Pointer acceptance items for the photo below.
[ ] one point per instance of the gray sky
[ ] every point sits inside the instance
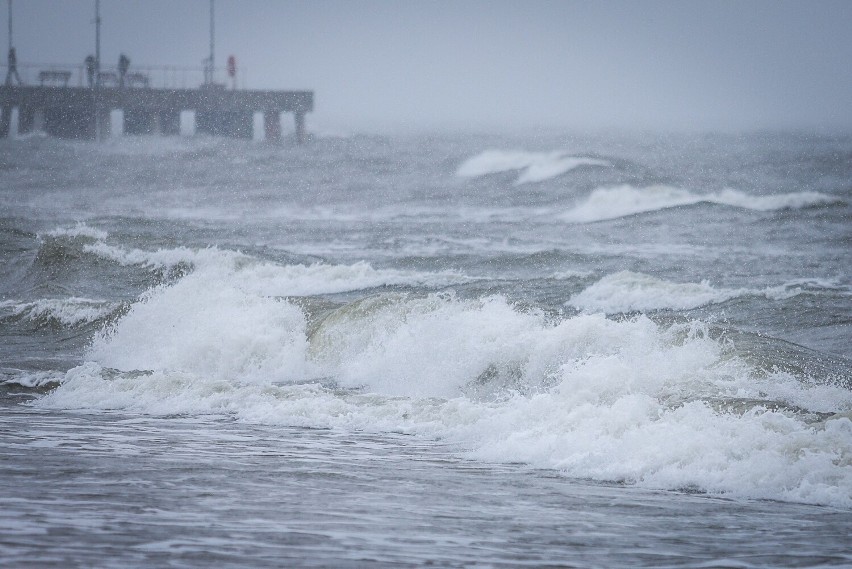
(483, 65)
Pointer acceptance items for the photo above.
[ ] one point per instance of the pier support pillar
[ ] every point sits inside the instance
(206, 123)
(26, 118)
(38, 120)
(169, 122)
(272, 126)
(104, 123)
(69, 122)
(138, 121)
(5, 122)
(235, 124)
(299, 117)
(156, 124)
(77, 122)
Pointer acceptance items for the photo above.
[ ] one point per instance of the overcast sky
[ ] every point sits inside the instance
(483, 65)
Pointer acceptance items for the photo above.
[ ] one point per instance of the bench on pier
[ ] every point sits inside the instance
(136, 80)
(108, 79)
(55, 77)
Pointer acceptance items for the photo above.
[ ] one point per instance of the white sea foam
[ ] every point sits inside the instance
(272, 279)
(218, 332)
(81, 229)
(620, 201)
(569, 274)
(611, 400)
(626, 291)
(409, 213)
(166, 258)
(533, 166)
(29, 378)
(65, 311)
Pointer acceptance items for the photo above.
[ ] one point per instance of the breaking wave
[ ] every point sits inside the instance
(621, 201)
(628, 401)
(533, 166)
(273, 279)
(81, 229)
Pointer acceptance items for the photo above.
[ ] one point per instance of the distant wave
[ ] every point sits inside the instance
(533, 166)
(620, 201)
(627, 291)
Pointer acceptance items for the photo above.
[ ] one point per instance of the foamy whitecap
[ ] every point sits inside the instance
(793, 200)
(322, 278)
(570, 274)
(626, 291)
(30, 378)
(797, 287)
(621, 201)
(533, 166)
(219, 332)
(65, 311)
(627, 401)
(166, 258)
(272, 279)
(81, 229)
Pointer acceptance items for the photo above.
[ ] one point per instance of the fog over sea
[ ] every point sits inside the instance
(620, 350)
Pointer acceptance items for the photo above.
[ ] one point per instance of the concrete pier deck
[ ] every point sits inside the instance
(78, 112)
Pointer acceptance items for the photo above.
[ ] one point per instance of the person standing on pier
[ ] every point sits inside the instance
(123, 66)
(12, 62)
(90, 69)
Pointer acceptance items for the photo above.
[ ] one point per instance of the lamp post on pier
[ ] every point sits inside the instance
(97, 82)
(210, 62)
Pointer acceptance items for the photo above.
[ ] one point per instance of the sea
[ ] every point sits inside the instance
(448, 349)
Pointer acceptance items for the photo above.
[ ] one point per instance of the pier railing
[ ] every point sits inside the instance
(137, 76)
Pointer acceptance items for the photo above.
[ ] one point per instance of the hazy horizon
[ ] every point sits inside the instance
(475, 65)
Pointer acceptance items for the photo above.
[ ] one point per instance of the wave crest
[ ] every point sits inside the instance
(620, 201)
(67, 312)
(81, 229)
(533, 166)
(626, 291)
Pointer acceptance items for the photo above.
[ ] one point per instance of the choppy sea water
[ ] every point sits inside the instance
(591, 351)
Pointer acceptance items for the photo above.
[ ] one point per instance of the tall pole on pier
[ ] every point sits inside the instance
(212, 44)
(97, 35)
(11, 72)
(97, 69)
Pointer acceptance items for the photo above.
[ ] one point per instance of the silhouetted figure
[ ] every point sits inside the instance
(123, 65)
(90, 69)
(12, 62)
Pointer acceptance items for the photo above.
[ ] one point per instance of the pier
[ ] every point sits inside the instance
(148, 106)
(84, 112)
